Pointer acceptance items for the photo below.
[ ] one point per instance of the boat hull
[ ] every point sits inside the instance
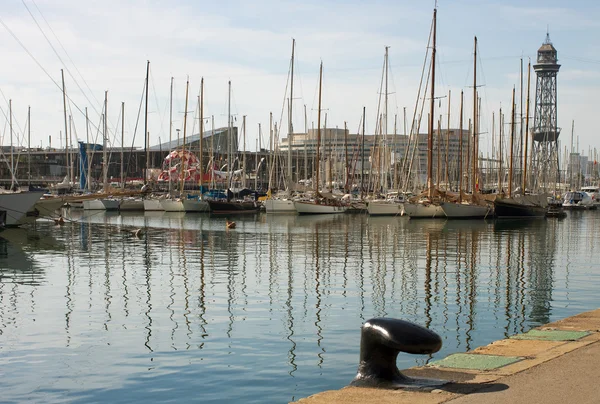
(508, 208)
(16, 205)
(466, 211)
(232, 207)
(111, 204)
(422, 211)
(313, 208)
(381, 208)
(153, 205)
(172, 205)
(45, 208)
(195, 205)
(93, 204)
(280, 206)
(131, 205)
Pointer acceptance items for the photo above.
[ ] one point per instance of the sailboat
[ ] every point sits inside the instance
(127, 203)
(231, 205)
(14, 206)
(284, 203)
(393, 204)
(103, 203)
(521, 206)
(197, 203)
(425, 206)
(175, 204)
(319, 204)
(475, 209)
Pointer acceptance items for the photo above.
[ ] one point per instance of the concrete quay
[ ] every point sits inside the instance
(555, 363)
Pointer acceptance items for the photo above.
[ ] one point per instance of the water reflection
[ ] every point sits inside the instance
(193, 301)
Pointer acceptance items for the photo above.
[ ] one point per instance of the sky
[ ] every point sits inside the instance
(105, 45)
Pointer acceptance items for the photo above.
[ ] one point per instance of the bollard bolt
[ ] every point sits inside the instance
(381, 341)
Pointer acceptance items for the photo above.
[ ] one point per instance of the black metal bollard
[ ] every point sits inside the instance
(381, 341)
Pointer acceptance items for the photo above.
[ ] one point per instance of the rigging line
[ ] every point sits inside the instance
(6, 123)
(39, 64)
(66, 53)
(161, 118)
(131, 157)
(1, 151)
(58, 56)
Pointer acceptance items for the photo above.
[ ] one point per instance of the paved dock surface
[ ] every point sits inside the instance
(555, 363)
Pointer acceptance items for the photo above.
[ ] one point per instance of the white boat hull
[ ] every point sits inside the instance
(280, 206)
(45, 208)
(152, 205)
(312, 208)
(131, 204)
(195, 205)
(111, 204)
(93, 204)
(419, 210)
(16, 205)
(172, 205)
(383, 208)
(465, 211)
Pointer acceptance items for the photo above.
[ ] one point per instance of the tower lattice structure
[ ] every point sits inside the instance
(544, 158)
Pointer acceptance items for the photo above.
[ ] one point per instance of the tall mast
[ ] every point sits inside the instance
(65, 118)
(385, 126)
(87, 147)
(319, 131)
(527, 130)
(104, 156)
(395, 146)
(29, 146)
(183, 159)
(271, 151)
(229, 169)
(12, 167)
(170, 130)
(474, 183)
(201, 132)
(439, 161)
(570, 155)
(122, 142)
(244, 153)
(346, 165)
(431, 114)
(146, 126)
(448, 144)
(305, 145)
(70, 146)
(500, 133)
(290, 126)
(520, 146)
(362, 157)
(512, 141)
(460, 148)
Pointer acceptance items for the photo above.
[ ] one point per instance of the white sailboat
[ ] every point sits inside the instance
(319, 204)
(196, 203)
(283, 203)
(469, 209)
(15, 205)
(391, 205)
(153, 204)
(425, 207)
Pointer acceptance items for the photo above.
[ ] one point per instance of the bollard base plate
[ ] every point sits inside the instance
(404, 383)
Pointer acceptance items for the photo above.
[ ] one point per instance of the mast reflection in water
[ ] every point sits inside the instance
(270, 311)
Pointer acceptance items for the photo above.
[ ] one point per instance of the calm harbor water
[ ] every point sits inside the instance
(270, 311)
